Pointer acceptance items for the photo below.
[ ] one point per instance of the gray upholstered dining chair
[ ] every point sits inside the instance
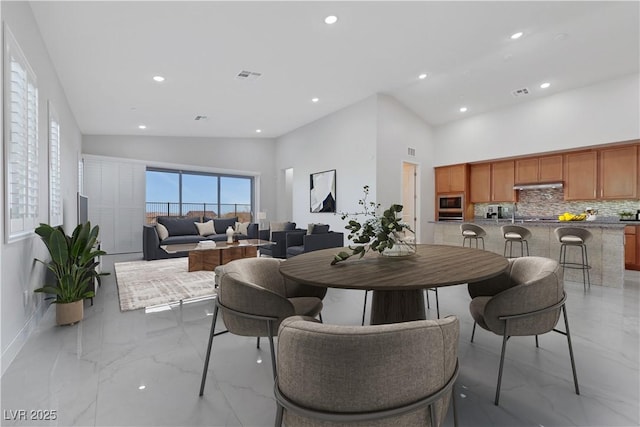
(526, 299)
(394, 374)
(254, 298)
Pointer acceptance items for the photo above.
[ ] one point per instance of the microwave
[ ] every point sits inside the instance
(450, 202)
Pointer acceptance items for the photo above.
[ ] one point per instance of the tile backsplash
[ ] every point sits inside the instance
(551, 203)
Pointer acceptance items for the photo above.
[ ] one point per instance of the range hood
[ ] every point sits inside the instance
(537, 186)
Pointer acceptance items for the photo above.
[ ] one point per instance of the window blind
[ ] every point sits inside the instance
(55, 181)
(22, 141)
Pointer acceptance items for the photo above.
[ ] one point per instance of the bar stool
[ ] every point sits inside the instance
(577, 237)
(472, 232)
(518, 234)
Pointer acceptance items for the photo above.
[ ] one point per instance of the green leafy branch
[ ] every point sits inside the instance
(376, 233)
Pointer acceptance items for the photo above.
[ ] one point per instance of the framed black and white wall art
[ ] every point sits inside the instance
(322, 191)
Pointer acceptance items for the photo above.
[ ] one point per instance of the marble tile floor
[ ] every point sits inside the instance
(143, 369)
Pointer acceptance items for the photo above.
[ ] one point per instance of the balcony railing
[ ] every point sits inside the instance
(198, 210)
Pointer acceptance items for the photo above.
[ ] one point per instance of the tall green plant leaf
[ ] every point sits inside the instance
(44, 231)
(58, 248)
(80, 238)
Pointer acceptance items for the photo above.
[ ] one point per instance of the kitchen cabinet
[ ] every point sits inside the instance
(492, 182)
(502, 181)
(551, 169)
(581, 175)
(536, 170)
(480, 183)
(527, 171)
(451, 179)
(618, 172)
(632, 247)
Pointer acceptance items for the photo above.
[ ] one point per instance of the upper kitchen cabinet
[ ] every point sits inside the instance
(551, 169)
(618, 178)
(581, 175)
(492, 182)
(502, 181)
(451, 179)
(538, 170)
(480, 183)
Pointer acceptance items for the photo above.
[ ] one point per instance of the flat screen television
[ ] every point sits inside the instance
(83, 209)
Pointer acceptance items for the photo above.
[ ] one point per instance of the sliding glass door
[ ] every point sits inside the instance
(198, 194)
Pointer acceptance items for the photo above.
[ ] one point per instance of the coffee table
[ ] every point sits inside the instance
(207, 255)
(396, 282)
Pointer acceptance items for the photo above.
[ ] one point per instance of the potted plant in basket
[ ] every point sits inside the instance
(386, 234)
(74, 262)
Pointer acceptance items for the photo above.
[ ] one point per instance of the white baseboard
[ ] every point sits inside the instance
(21, 338)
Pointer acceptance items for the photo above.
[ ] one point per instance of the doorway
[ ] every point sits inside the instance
(410, 200)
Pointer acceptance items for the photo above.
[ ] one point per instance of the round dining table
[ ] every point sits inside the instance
(396, 282)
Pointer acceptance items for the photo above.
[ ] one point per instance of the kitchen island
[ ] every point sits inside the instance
(605, 250)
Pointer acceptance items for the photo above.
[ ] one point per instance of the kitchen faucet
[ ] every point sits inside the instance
(513, 212)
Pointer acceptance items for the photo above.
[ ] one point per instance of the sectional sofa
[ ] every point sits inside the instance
(173, 230)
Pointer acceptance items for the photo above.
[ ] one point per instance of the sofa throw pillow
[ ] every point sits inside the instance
(280, 226)
(205, 228)
(221, 224)
(310, 228)
(179, 226)
(163, 233)
(277, 226)
(320, 229)
(242, 228)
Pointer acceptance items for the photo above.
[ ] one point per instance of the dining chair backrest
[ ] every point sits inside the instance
(338, 369)
(254, 286)
(529, 284)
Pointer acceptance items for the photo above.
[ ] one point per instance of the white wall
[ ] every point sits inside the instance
(398, 129)
(598, 114)
(344, 141)
(366, 143)
(21, 308)
(253, 156)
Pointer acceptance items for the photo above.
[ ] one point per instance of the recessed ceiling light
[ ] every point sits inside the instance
(545, 85)
(517, 35)
(422, 76)
(142, 387)
(258, 130)
(331, 19)
(463, 109)
(158, 78)
(142, 127)
(315, 99)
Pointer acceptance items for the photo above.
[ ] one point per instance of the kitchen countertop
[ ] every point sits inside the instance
(605, 222)
(606, 248)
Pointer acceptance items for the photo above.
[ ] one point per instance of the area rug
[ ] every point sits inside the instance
(143, 284)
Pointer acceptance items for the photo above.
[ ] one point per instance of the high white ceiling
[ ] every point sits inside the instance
(106, 54)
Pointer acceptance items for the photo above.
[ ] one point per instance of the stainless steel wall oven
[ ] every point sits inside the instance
(450, 207)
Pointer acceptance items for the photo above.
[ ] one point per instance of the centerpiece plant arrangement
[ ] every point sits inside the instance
(74, 262)
(384, 234)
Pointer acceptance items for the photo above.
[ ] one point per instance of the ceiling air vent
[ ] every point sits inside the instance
(200, 118)
(520, 92)
(411, 151)
(248, 75)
